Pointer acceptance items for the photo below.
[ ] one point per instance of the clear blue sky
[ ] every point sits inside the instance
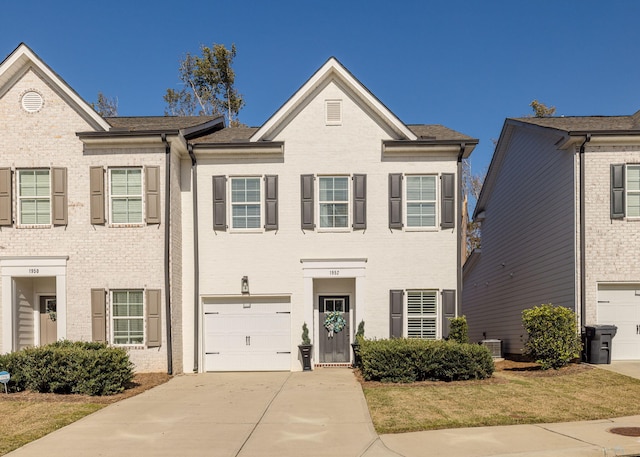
(464, 64)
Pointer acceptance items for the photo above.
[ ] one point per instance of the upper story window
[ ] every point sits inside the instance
(418, 202)
(127, 317)
(125, 195)
(34, 197)
(333, 200)
(421, 201)
(245, 203)
(422, 313)
(633, 191)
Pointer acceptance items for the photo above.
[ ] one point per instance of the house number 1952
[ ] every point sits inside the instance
(334, 272)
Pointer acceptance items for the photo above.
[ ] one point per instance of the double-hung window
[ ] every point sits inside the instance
(34, 197)
(333, 198)
(422, 313)
(633, 191)
(127, 317)
(126, 195)
(421, 201)
(245, 203)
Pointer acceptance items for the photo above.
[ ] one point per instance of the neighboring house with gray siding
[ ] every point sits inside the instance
(560, 210)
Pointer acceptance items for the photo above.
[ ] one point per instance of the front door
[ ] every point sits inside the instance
(334, 333)
(48, 320)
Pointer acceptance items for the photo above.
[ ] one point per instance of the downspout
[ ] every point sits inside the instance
(459, 230)
(167, 251)
(196, 260)
(583, 262)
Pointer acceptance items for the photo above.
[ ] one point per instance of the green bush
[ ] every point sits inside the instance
(459, 329)
(553, 335)
(410, 360)
(67, 367)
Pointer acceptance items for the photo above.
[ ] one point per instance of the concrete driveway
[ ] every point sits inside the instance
(227, 414)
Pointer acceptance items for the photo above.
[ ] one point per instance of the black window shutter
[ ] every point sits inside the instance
(448, 200)
(617, 191)
(306, 202)
(271, 202)
(395, 200)
(359, 202)
(395, 313)
(448, 310)
(220, 203)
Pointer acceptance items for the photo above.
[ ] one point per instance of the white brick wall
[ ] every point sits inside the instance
(612, 246)
(99, 256)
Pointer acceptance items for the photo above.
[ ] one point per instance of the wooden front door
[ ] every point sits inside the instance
(334, 346)
(48, 320)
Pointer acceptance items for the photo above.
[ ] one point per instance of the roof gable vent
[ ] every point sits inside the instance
(333, 112)
(32, 101)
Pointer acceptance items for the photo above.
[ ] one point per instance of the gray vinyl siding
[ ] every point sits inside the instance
(530, 229)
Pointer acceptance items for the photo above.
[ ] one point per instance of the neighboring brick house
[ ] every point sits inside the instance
(560, 212)
(203, 248)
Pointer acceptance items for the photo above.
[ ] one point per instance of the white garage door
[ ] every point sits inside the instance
(247, 337)
(620, 305)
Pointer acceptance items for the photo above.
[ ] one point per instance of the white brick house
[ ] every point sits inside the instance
(203, 248)
(560, 210)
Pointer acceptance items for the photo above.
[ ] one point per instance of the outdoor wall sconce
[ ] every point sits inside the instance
(244, 285)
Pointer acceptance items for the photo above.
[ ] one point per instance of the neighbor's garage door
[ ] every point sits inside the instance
(620, 305)
(243, 337)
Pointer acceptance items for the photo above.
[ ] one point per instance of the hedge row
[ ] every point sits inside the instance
(67, 367)
(410, 360)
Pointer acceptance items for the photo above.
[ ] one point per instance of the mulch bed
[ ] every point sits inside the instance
(140, 383)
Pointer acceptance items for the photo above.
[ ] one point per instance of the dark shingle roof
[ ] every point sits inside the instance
(586, 123)
(227, 135)
(436, 132)
(137, 124)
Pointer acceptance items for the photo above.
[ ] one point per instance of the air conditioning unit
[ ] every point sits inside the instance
(494, 346)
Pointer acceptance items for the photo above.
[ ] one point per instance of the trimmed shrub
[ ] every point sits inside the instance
(553, 335)
(410, 360)
(67, 367)
(459, 329)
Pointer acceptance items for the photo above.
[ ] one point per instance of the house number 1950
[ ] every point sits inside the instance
(34, 270)
(334, 272)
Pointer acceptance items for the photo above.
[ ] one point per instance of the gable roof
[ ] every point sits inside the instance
(332, 70)
(22, 59)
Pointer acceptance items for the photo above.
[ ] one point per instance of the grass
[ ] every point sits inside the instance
(511, 397)
(23, 422)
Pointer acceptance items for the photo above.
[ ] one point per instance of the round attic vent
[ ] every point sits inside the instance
(32, 101)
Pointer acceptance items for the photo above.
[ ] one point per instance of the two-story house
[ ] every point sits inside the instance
(204, 248)
(333, 204)
(560, 210)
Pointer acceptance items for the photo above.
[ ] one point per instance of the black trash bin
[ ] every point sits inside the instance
(598, 343)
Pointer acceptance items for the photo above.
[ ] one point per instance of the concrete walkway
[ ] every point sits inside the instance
(319, 413)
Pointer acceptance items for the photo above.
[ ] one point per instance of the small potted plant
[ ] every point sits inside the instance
(356, 344)
(305, 348)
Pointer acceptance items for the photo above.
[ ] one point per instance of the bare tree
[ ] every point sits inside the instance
(106, 106)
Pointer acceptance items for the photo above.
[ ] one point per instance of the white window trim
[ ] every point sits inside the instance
(19, 198)
(142, 197)
(349, 203)
(627, 191)
(406, 201)
(230, 204)
(112, 318)
(436, 316)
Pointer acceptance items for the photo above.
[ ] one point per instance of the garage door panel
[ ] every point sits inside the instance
(247, 338)
(619, 305)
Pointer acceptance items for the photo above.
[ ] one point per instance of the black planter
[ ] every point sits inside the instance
(356, 354)
(305, 352)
